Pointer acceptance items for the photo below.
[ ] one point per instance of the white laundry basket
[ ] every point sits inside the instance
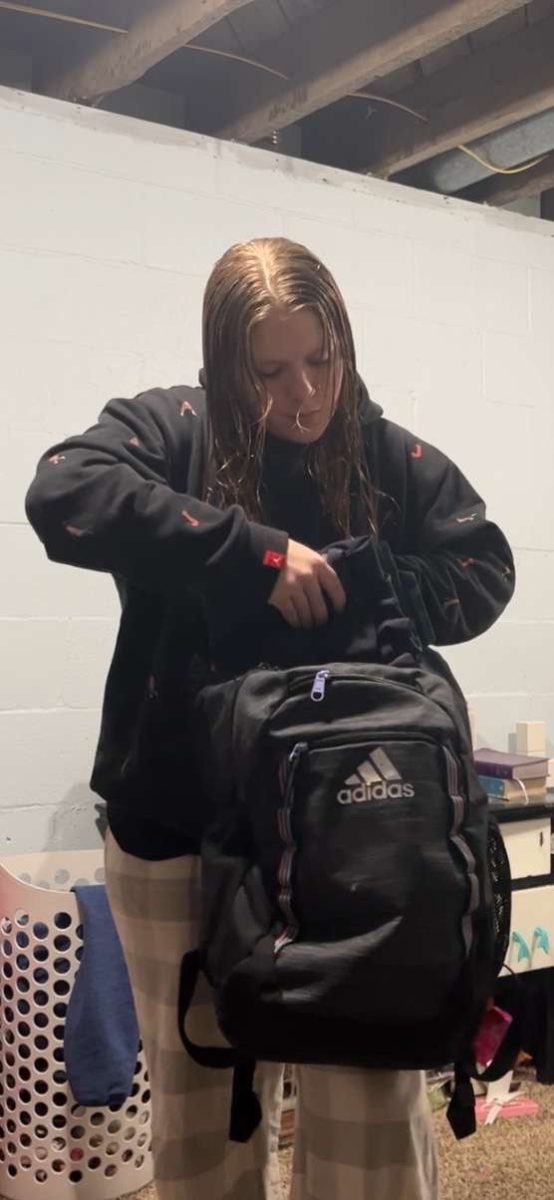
(50, 1147)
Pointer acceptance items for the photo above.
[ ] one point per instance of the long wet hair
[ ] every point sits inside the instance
(251, 280)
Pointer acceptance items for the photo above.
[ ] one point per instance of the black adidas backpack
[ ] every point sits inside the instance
(348, 906)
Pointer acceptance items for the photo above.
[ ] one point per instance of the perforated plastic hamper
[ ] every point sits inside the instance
(50, 1147)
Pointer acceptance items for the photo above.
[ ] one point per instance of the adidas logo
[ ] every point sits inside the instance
(375, 779)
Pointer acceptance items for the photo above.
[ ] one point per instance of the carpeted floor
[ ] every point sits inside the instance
(510, 1160)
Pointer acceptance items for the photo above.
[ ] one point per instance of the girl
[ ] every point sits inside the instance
(299, 456)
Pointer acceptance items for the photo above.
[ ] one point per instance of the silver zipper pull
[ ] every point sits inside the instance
(320, 683)
(298, 749)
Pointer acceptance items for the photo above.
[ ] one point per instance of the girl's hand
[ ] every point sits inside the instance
(304, 585)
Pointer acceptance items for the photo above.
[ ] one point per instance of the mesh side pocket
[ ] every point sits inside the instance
(501, 882)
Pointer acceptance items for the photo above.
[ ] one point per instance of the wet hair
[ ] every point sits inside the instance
(250, 281)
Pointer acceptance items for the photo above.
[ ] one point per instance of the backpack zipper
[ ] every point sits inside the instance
(331, 742)
(287, 773)
(459, 807)
(321, 678)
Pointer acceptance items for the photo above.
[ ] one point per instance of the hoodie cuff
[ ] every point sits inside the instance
(269, 555)
(241, 589)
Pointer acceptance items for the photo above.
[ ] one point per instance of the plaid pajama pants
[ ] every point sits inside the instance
(365, 1135)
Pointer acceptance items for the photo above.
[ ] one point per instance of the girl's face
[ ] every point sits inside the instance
(295, 370)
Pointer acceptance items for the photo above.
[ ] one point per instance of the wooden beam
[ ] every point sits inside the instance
(164, 27)
(345, 48)
(504, 189)
(494, 88)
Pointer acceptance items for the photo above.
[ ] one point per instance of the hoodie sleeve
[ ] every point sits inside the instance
(454, 571)
(110, 500)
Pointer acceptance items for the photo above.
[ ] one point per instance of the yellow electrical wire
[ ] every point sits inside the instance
(252, 62)
(503, 170)
(489, 166)
(58, 16)
(386, 100)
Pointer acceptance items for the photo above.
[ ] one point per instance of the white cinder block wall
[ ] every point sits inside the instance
(108, 229)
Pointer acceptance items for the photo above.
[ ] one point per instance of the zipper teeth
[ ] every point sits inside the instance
(404, 687)
(379, 736)
(287, 773)
(343, 678)
(462, 845)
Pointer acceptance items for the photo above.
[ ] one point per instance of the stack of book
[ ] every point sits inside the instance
(513, 777)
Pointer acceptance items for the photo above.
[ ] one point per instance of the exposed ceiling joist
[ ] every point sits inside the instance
(119, 61)
(66, 18)
(504, 189)
(503, 84)
(346, 48)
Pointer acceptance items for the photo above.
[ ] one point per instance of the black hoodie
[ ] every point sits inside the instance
(121, 498)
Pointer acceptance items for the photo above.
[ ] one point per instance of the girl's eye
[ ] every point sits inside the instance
(312, 362)
(270, 374)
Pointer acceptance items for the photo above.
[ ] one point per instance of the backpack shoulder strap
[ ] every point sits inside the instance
(206, 1056)
(246, 1112)
(461, 1110)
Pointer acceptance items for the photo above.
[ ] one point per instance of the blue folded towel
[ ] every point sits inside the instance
(101, 1038)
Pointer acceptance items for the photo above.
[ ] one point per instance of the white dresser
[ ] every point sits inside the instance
(528, 833)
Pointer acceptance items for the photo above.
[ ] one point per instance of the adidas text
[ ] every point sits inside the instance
(362, 792)
(376, 778)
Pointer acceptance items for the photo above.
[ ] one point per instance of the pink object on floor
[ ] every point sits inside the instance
(519, 1106)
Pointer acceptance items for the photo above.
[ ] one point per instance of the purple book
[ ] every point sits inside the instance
(510, 766)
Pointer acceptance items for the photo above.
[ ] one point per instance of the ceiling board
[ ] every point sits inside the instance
(258, 23)
(499, 30)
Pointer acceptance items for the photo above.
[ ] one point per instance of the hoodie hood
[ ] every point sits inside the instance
(370, 411)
